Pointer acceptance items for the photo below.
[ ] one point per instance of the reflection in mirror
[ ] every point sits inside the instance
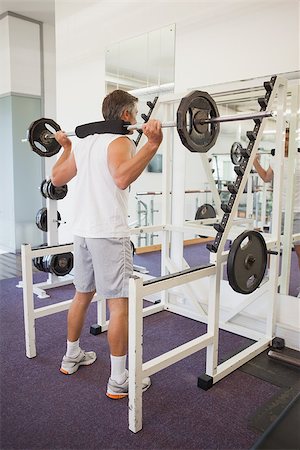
(144, 64)
(233, 99)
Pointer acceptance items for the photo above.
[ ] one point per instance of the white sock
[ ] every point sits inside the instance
(73, 349)
(118, 365)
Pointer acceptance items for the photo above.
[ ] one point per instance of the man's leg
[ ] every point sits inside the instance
(75, 357)
(117, 336)
(76, 314)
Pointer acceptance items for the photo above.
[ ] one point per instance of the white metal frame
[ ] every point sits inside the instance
(31, 313)
(53, 280)
(288, 237)
(138, 289)
(176, 275)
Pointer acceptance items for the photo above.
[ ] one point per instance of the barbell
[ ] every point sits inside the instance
(48, 190)
(237, 152)
(198, 125)
(41, 219)
(59, 265)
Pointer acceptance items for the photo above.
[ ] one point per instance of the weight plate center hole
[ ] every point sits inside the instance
(199, 116)
(249, 261)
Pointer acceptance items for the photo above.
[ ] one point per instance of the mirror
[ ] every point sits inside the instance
(142, 65)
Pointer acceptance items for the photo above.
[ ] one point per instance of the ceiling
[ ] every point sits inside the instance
(41, 10)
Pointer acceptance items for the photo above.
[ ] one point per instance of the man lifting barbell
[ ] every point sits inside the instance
(104, 165)
(267, 176)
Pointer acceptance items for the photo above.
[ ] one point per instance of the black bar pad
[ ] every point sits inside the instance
(102, 127)
(176, 274)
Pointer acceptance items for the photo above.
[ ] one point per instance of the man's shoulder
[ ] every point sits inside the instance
(100, 139)
(120, 139)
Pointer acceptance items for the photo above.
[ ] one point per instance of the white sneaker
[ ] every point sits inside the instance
(117, 391)
(71, 365)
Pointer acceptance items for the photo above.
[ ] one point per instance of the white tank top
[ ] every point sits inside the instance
(101, 208)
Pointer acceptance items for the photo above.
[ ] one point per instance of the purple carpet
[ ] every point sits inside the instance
(43, 409)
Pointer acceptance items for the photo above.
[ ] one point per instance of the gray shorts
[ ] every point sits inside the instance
(103, 264)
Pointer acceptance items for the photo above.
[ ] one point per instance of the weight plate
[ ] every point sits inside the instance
(193, 108)
(57, 192)
(206, 211)
(38, 261)
(61, 264)
(41, 219)
(48, 190)
(43, 188)
(247, 261)
(38, 137)
(236, 153)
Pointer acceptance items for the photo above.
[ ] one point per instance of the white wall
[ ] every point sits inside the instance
(21, 92)
(4, 56)
(215, 42)
(24, 44)
(49, 70)
(49, 54)
(242, 40)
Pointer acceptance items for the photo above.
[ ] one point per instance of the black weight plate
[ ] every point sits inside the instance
(205, 211)
(38, 137)
(193, 107)
(247, 261)
(44, 188)
(61, 264)
(46, 263)
(236, 153)
(57, 192)
(38, 261)
(41, 219)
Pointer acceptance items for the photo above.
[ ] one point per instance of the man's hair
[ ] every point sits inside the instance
(116, 103)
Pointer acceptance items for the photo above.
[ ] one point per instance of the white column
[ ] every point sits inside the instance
(135, 355)
(28, 302)
(178, 197)
(277, 203)
(290, 195)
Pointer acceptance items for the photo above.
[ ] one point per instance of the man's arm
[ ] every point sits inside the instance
(65, 167)
(265, 175)
(123, 167)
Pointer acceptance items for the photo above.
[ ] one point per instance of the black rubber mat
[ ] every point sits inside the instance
(280, 374)
(270, 411)
(284, 433)
(275, 372)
